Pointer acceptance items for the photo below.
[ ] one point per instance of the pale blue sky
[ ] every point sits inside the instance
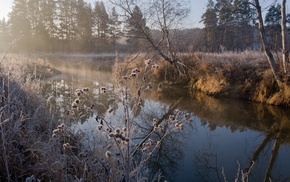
(197, 9)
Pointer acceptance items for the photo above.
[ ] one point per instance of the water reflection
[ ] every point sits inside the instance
(269, 125)
(223, 131)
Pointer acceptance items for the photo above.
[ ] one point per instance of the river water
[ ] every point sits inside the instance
(222, 140)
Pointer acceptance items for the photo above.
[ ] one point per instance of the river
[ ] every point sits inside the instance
(222, 140)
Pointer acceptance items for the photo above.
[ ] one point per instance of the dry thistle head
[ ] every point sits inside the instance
(172, 117)
(155, 66)
(104, 89)
(136, 70)
(178, 113)
(144, 149)
(133, 75)
(140, 99)
(176, 125)
(74, 105)
(77, 101)
(109, 130)
(86, 89)
(187, 117)
(99, 127)
(66, 146)
(181, 126)
(111, 135)
(60, 127)
(78, 92)
(108, 154)
(117, 130)
(148, 61)
(56, 131)
(149, 86)
(110, 110)
(150, 141)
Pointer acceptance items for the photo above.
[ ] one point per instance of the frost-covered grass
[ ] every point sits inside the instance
(243, 75)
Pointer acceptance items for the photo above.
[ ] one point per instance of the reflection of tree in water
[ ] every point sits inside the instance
(206, 167)
(278, 135)
(261, 161)
(167, 158)
(236, 116)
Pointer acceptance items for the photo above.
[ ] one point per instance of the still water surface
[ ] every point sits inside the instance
(224, 137)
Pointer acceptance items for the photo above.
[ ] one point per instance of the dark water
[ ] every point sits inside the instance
(221, 142)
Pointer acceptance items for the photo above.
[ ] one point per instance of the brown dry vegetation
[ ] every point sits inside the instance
(27, 148)
(244, 75)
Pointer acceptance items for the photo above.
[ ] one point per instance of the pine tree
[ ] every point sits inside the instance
(209, 19)
(19, 25)
(4, 35)
(244, 23)
(225, 12)
(273, 28)
(36, 16)
(84, 21)
(135, 24)
(114, 28)
(49, 17)
(67, 25)
(101, 27)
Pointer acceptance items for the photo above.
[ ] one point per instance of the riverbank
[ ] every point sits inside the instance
(244, 75)
(38, 117)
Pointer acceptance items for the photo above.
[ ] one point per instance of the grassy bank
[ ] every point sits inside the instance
(28, 149)
(244, 75)
(24, 121)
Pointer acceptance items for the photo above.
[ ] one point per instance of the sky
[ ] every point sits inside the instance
(197, 8)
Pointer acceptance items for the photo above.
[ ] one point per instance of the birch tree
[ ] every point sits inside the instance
(285, 47)
(273, 64)
(162, 15)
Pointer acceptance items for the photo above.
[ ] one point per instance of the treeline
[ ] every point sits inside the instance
(60, 25)
(232, 25)
(78, 26)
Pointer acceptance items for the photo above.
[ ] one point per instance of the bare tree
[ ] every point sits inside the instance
(162, 15)
(284, 37)
(274, 66)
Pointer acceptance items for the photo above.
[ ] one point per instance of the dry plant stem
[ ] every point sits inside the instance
(140, 144)
(143, 162)
(224, 175)
(129, 126)
(4, 142)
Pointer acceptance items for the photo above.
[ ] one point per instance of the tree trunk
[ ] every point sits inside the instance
(274, 67)
(284, 36)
